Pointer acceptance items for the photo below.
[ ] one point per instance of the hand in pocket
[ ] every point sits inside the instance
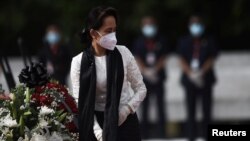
(124, 111)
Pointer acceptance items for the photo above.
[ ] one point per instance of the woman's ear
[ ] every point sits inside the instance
(93, 34)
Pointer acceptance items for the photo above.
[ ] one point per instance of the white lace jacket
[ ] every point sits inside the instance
(133, 90)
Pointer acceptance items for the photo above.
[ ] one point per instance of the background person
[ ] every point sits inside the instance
(197, 54)
(55, 54)
(151, 51)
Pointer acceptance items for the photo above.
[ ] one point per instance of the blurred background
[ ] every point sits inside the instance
(23, 26)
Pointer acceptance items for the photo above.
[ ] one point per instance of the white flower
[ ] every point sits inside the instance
(70, 118)
(11, 95)
(63, 126)
(3, 110)
(11, 123)
(43, 123)
(53, 104)
(22, 107)
(55, 137)
(56, 122)
(46, 111)
(47, 137)
(26, 138)
(8, 122)
(20, 139)
(37, 137)
(5, 131)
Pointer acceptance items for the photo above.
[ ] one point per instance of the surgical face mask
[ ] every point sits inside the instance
(108, 41)
(53, 37)
(149, 30)
(196, 29)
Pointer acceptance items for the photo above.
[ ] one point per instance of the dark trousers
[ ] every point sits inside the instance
(192, 95)
(128, 131)
(158, 91)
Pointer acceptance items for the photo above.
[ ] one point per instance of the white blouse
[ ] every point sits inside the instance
(133, 90)
(101, 83)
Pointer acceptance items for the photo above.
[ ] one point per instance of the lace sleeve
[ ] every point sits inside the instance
(135, 78)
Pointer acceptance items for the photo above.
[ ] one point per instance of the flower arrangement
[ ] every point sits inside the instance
(38, 110)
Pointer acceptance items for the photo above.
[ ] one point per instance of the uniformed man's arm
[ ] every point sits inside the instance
(140, 63)
(184, 66)
(207, 65)
(161, 63)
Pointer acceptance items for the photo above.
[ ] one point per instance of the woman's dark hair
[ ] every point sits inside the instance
(95, 21)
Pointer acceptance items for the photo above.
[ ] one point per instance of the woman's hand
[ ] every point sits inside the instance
(97, 130)
(124, 111)
(99, 136)
(100, 139)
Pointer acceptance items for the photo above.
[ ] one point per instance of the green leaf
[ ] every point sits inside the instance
(27, 95)
(62, 117)
(9, 136)
(21, 126)
(13, 110)
(58, 113)
(27, 113)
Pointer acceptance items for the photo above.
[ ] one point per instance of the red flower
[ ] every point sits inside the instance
(46, 99)
(71, 127)
(62, 107)
(35, 97)
(71, 103)
(52, 85)
(63, 89)
(41, 100)
(39, 89)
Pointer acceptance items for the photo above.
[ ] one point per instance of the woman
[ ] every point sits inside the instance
(102, 77)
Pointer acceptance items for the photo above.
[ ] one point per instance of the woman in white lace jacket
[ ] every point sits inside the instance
(106, 72)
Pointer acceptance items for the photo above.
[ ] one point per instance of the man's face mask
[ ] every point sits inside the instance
(108, 41)
(149, 30)
(196, 29)
(53, 37)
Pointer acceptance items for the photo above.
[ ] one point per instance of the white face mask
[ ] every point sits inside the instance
(149, 30)
(53, 37)
(196, 29)
(108, 41)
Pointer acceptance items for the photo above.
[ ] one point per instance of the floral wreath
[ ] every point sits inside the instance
(39, 109)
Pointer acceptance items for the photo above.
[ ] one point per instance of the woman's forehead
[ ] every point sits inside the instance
(109, 22)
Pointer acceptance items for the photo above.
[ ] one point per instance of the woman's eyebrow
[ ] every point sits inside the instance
(110, 28)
